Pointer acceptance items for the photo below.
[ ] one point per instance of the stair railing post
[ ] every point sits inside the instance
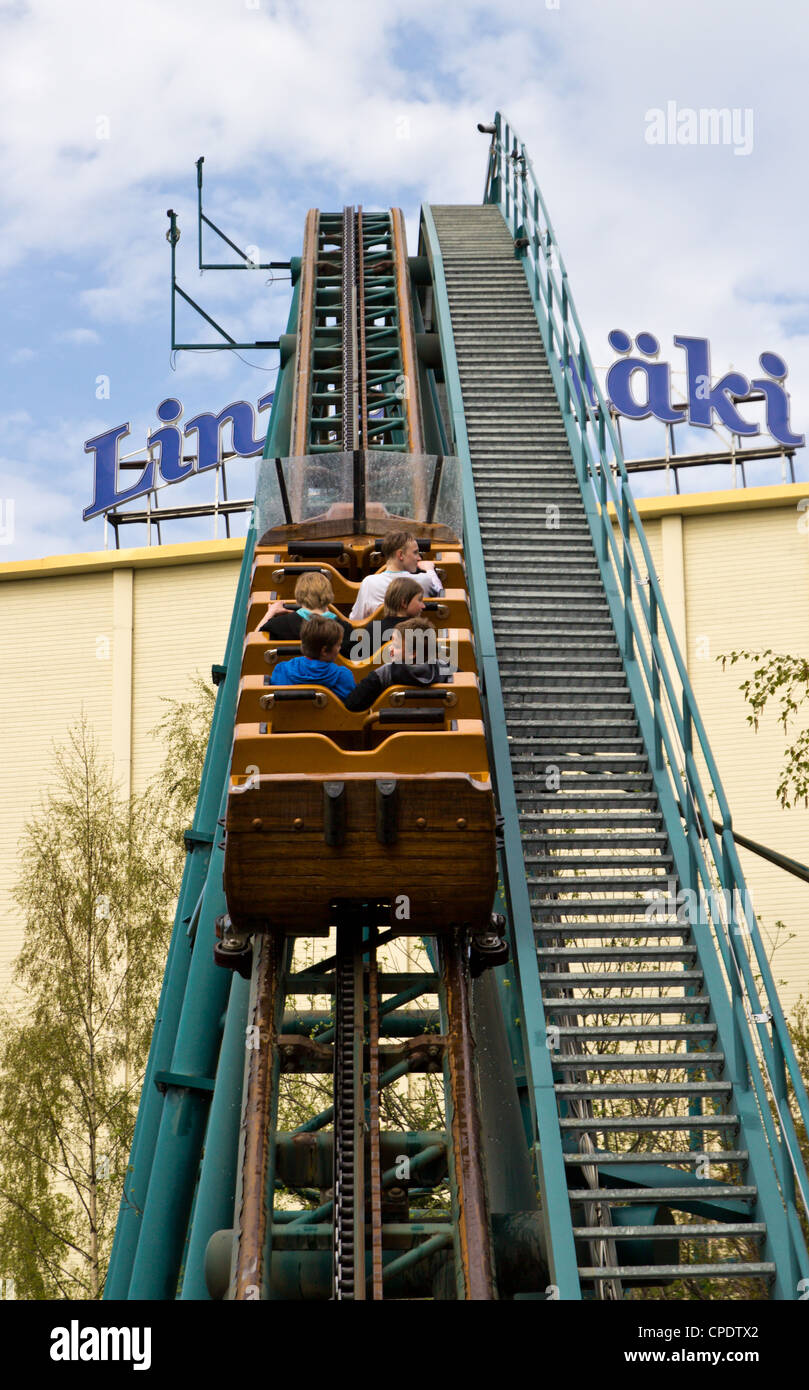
(781, 1097)
(629, 640)
(690, 808)
(565, 346)
(506, 182)
(536, 246)
(602, 486)
(725, 870)
(549, 297)
(657, 750)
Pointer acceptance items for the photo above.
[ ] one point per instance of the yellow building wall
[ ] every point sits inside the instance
(734, 569)
(109, 634)
(747, 588)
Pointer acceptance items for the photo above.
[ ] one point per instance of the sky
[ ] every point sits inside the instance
(104, 109)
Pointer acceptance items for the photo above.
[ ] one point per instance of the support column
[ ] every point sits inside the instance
(122, 642)
(673, 579)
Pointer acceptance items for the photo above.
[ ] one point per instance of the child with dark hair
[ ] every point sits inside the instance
(414, 661)
(320, 644)
(404, 598)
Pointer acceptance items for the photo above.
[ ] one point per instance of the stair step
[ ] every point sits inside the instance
(614, 978)
(608, 1007)
(560, 729)
(588, 789)
(631, 930)
(620, 1124)
(560, 801)
(569, 856)
(589, 882)
(551, 748)
(734, 1270)
(524, 748)
(547, 819)
(636, 1061)
(704, 1191)
(595, 861)
(553, 687)
(527, 648)
(583, 906)
(719, 1230)
(669, 1089)
(559, 726)
(627, 768)
(558, 718)
(587, 1159)
(616, 840)
(650, 1032)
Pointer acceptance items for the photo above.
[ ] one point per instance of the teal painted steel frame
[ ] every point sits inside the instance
(200, 998)
(754, 1034)
(547, 1134)
(179, 997)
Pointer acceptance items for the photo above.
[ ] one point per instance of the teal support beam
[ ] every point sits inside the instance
(188, 925)
(136, 1180)
(216, 1191)
(175, 979)
(175, 1165)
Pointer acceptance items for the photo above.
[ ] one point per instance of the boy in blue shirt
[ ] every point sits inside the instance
(320, 644)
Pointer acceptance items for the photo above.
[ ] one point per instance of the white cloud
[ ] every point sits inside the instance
(79, 337)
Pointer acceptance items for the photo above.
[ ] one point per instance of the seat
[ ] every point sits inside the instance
(260, 653)
(278, 577)
(462, 749)
(410, 823)
(460, 697)
(448, 563)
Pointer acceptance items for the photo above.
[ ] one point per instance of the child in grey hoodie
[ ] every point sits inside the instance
(413, 662)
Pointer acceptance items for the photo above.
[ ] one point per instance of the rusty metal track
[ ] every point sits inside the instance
(349, 329)
(361, 326)
(407, 334)
(476, 1273)
(252, 1274)
(375, 1160)
(349, 1118)
(303, 362)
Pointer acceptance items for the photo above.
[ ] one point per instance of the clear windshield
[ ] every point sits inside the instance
(422, 487)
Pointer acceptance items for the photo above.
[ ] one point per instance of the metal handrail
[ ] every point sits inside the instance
(512, 185)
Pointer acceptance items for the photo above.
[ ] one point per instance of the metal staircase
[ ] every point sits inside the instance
(649, 1116)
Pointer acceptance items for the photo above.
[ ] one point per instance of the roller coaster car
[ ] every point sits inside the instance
(325, 806)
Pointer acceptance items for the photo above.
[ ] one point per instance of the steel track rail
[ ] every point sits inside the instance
(252, 1260)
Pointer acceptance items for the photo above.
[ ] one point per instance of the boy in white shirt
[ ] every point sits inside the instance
(400, 552)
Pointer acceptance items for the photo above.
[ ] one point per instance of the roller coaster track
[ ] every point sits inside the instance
(627, 1063)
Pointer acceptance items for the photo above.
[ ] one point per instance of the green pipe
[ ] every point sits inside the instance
(389, 1178)
(217, 1183)
(175, 979)
(182, 1123)
(387, 1008)
(326, 1116)
(417, 1254)
(399, 1025)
